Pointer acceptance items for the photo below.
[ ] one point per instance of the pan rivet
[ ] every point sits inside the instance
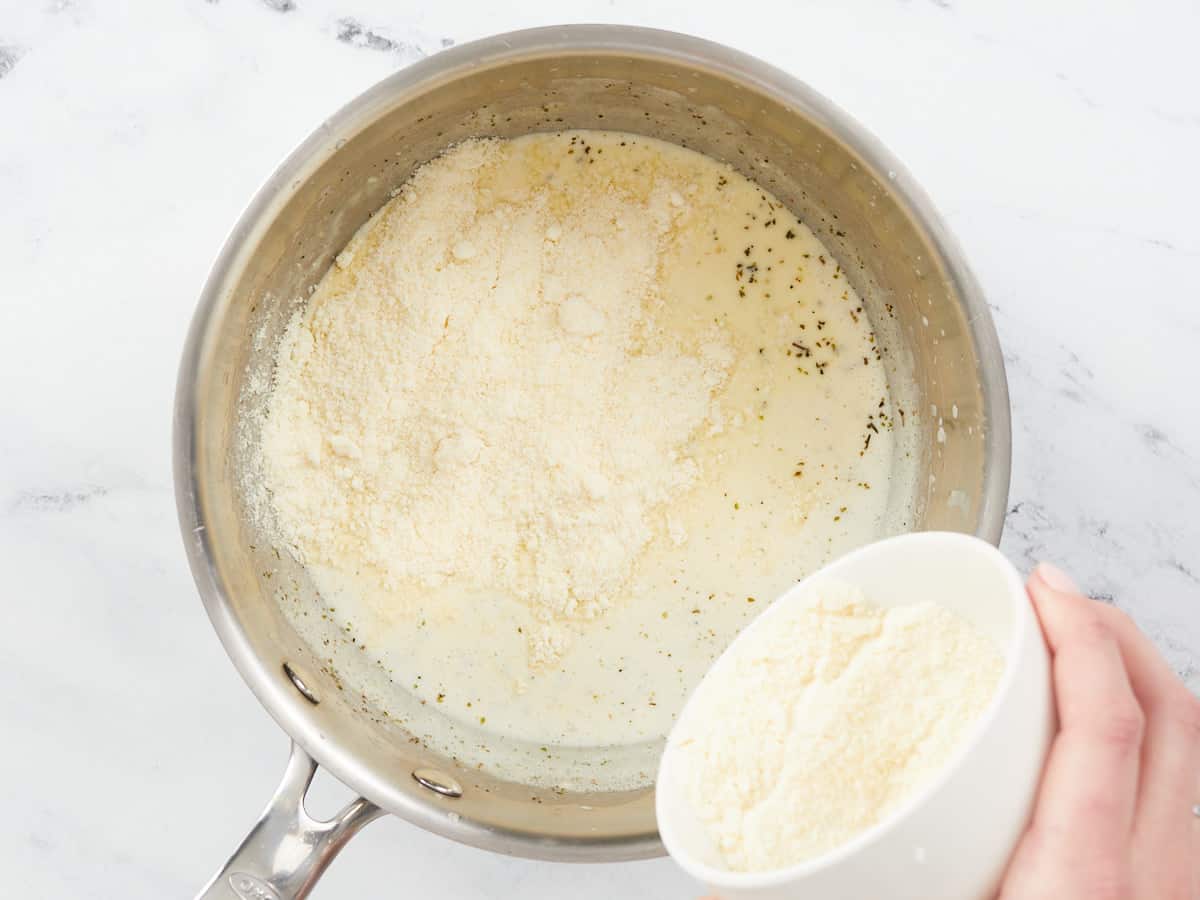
(298, 682)
(438, 782)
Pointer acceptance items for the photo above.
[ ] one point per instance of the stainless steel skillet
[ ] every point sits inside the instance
(941, 352)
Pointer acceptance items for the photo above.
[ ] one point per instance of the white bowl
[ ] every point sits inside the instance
(952, 839)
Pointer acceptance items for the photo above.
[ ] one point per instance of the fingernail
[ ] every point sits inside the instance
(1056, 579)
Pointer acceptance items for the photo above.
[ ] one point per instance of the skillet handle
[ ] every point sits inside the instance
(287, 850)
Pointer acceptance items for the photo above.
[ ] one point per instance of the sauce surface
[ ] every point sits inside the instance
(779, 464)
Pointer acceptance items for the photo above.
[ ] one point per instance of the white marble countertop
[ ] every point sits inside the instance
(131, 134)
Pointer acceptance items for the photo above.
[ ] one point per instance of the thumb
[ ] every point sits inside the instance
(1054, 578)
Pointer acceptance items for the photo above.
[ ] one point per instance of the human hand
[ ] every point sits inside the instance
(1114, 815)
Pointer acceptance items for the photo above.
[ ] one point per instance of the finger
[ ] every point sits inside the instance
(1086, 804)
(1164, 828)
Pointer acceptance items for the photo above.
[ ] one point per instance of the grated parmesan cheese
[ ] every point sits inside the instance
(819, 727)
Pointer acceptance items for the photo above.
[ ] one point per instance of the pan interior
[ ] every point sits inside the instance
(345, 173)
